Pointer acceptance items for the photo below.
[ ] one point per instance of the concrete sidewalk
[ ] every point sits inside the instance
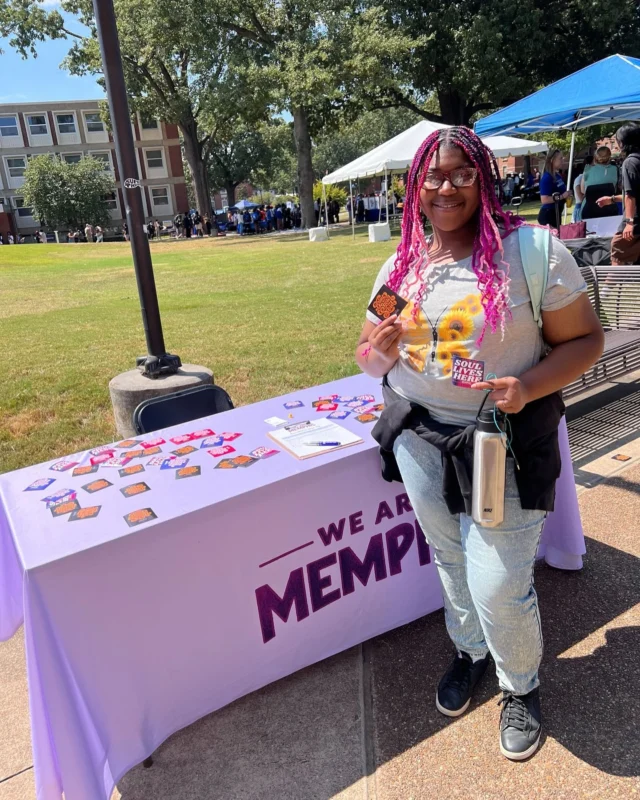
(363, 726)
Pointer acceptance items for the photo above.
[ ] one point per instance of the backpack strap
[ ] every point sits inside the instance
(535, 243)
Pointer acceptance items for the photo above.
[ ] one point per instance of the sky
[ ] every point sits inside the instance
(41, 79)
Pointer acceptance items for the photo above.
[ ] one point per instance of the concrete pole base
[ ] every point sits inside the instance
(130, 388)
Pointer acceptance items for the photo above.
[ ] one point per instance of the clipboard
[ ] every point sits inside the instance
(293, 437)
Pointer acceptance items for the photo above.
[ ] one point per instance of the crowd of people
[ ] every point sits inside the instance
(601, 189)
(519, 184)
(91, 234)
(265, 218)
(192, 224)
(11, 239)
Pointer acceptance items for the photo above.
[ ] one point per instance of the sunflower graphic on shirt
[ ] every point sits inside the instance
(456, 329)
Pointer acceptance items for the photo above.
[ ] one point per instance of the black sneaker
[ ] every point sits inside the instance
(520, 725)
(457, 684)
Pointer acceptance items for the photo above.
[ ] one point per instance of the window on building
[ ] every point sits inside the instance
(94, 122)
(160, 196)
(104, 158)
(8, 126)
(71, 158)
(112, 201)
(149, 124)
(66, 123)
(16, 166)
(37, 124)
(23, 211)
(154, 159)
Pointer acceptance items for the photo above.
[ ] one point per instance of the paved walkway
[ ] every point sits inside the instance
(362, 725)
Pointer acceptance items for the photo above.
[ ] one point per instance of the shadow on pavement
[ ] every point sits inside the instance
(301, 738)
(590, 702)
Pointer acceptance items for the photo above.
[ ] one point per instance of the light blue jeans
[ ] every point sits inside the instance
(490, 603)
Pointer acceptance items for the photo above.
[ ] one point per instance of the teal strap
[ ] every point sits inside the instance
(534, 251)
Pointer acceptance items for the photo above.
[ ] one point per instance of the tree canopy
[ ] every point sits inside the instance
(70, 195)
(336, 148)
(477, 55)
(312, 54)
(239, 152)
(221, 71)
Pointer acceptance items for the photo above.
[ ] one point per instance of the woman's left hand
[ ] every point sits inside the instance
(509, 394)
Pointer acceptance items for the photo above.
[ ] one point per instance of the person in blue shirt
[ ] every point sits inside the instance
(553, 190)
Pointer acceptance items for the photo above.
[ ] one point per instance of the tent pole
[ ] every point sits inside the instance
(353, 211)
(386, 197)
(393, 201)
(570, 173)
(326, 214)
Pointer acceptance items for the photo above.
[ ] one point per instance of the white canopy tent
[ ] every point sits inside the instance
(397, 154)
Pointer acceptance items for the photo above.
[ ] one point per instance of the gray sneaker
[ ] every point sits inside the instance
(520, 724)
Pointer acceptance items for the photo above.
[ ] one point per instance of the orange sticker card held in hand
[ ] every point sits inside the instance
(386, 302)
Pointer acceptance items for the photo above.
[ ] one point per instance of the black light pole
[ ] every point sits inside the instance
(158, 362)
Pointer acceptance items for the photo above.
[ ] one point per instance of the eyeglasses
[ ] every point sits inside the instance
(460, 177)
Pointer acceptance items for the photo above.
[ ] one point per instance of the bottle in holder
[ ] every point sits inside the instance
(489, 467)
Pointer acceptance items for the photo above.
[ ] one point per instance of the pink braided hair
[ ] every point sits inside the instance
(493, 225)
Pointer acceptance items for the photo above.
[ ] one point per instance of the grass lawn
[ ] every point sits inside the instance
(267, 316)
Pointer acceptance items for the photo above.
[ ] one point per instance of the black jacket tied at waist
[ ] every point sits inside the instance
(534, 444)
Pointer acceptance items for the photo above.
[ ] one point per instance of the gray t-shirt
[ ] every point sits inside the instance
(423, 373)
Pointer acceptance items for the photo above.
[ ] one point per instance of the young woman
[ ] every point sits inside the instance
(625, 245)
(601, 171)
(553, 190)
(467, 298)
(600, 180)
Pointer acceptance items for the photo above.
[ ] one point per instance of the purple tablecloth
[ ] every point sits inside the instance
(245, 576)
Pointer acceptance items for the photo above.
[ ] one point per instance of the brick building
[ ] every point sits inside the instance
(74, 129)
(511, 164)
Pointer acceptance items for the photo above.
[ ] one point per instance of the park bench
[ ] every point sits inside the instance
(615, 295)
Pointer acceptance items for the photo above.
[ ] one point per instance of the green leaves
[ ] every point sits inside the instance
(25, 23)
(70, 195)
(331, 192)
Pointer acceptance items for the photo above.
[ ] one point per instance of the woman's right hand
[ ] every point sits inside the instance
(384, 339)
(604, 201)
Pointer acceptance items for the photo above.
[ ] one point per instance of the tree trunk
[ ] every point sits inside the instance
(193, 154)
(453, 108)
(305, 167)
(230, 188)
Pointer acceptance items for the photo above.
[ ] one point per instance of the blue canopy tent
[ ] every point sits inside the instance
(245, 204)
(607, 91)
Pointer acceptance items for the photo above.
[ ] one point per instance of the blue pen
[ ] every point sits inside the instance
(322, 444)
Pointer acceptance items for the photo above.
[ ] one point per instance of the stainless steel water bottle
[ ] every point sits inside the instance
(489, 466)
